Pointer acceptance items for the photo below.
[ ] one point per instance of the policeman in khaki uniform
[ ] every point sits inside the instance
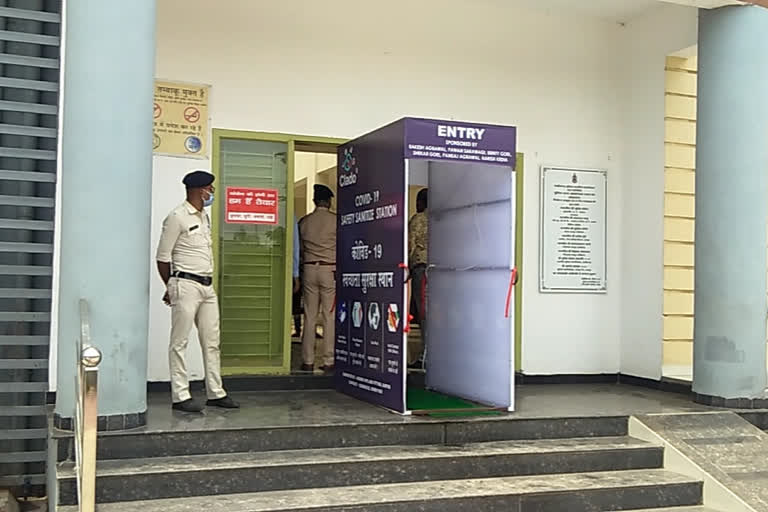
(185, 262)
(318, 252)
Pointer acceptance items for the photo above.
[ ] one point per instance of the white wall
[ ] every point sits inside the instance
(583, 92)
(649, 39)
(323, 68)
(167, 193)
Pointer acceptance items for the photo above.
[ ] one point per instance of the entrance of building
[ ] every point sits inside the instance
(254, 257)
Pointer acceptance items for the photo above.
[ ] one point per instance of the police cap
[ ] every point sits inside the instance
(322, 193)
(198, 179)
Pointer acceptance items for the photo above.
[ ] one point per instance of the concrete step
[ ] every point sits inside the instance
(203, 440)
(674, 509)
(200, 475)
(580, 492)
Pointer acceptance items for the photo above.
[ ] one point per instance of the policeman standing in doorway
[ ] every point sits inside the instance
(418, 244)
(185, 262)
(318, 252)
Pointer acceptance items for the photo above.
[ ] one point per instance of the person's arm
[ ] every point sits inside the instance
(168, 238)
(164, 269)
(423, 239)
(296, 252)
(411, 239)
(296, 247)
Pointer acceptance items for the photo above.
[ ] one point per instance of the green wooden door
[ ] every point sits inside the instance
(252, 260)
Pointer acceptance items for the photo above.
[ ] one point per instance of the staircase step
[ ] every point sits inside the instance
(202, 441)
(581, 492)
(674, 509)
(200, 475)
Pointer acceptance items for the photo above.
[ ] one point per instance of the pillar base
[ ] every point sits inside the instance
(109, 423)
(731, 403)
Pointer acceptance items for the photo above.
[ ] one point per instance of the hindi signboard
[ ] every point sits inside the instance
(251, 206)
(180, 116)
(573, 230)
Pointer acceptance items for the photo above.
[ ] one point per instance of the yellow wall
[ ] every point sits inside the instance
(309, 166)
(679, 210)
(300, 198)
(328, 177)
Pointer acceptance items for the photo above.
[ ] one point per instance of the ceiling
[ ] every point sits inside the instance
(620, 11)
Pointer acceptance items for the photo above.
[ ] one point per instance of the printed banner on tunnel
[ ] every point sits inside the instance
(370, 312)
(428, 139)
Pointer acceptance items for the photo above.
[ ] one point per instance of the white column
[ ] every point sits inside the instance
(731, 205)
(106, 188)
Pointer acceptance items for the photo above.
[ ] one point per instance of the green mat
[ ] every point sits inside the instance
(436, 404)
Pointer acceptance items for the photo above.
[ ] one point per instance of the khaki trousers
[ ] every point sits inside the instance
(319, 294)
(194, 304)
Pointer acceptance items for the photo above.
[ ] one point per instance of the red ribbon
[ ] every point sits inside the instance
(512, 281)
(407, 326)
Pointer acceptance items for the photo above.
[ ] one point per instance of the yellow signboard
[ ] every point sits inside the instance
(181, 119)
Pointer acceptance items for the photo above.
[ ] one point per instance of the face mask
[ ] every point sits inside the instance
(208, 202)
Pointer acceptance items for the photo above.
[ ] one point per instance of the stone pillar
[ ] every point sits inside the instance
(106, 190)
(731, 207)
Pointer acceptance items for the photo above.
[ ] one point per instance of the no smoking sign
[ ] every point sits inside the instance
(191, 114)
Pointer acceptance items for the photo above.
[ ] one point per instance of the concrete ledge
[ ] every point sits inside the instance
(731, 403)
(110, 423)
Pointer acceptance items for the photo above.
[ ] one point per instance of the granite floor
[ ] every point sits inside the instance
(724, 445)
(536, 492)
(326, 407)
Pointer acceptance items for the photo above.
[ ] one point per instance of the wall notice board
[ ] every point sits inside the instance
(573, 230)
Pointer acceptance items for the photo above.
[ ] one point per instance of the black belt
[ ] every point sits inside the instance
(322, 263)
(203, 280)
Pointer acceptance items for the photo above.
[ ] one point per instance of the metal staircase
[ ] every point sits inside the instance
(29, 96)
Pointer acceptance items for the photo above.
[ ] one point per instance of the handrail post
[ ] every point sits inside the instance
(86, 414)
(91, 357)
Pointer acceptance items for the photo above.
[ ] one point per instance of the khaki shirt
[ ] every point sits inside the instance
(185, 242)
(318, 237)
(418, 239)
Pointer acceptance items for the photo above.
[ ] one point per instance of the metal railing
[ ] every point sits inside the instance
(86, 414)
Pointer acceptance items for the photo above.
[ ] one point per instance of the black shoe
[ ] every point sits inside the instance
(327, 368)
(308, 368)
(225, 403)
(188, 405)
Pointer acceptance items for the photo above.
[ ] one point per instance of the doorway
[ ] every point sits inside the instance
(418, 178)
(313, 164)
(254, 261)
(253, 245)
(468, 278)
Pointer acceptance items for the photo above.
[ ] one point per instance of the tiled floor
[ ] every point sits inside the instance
(325, 407)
